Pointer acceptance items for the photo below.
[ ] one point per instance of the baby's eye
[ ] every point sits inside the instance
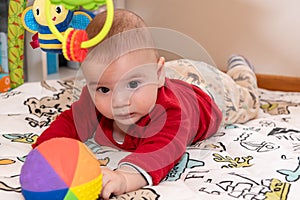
(104, 90)
(133, 84)
(58, 9)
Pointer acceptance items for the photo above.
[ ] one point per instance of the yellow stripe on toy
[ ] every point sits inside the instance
(48, 36)
(50, 46)
(16, 42)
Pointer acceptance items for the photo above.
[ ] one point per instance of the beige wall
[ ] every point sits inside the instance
(267, 32)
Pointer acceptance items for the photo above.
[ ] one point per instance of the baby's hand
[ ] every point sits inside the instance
(120, 181)
(113, 182)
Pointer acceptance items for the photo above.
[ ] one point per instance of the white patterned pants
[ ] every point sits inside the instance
(235, 92)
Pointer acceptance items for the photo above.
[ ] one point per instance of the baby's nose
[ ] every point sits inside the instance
(121, 99)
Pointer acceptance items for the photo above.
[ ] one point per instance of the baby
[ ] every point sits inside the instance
(130, 104)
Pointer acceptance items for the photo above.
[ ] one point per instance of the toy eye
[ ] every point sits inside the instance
(37, 11)
(58, 9)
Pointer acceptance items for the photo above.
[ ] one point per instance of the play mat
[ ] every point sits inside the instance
(259, 160)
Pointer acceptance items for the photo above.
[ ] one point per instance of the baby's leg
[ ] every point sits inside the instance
(241, 94)
(235, 93)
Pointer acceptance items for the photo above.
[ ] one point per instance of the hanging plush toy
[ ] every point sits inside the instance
(35, 21)
(58, 28)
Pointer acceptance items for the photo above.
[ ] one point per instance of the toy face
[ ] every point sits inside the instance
(58, 13)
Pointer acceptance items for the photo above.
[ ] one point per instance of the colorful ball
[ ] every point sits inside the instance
(61, 168)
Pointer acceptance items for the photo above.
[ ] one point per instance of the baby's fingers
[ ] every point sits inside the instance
(113, 182)
(107, 190)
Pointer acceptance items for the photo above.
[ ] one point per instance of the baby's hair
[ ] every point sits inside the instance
(128, 33)
(124, 20)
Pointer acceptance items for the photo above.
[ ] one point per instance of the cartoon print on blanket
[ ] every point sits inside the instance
(8, 188)
(263, 146)
(291, 175)
(234, 182)
(46, 109)
(285, 134)
(10, 94)
(237, 186)
(4, 186)
(7, 161)
(28, 138)
(145, 194)
(236, 162)
(267, 123)
(179, 168)
(45, 85)
(288, 135)
(203, 145)
(277, 107)
(252, 145)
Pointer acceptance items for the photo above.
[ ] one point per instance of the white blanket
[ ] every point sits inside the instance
(254, 161)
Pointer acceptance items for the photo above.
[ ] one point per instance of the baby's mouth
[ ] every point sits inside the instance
(53, 19)
(123, 116)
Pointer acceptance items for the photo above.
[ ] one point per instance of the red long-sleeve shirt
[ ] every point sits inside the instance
(183, 114)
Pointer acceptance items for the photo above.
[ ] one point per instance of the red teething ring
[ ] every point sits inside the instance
(66, 43)
(72, 45)
(78, 53)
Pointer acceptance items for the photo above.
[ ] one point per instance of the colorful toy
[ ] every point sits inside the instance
(51, 18)
(75, 42)
(4, 76)
(61, 169)
(16, 42)
(34, 20)
(4, 82)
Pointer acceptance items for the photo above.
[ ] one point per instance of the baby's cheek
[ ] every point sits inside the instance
(145, 101)
(104, 107)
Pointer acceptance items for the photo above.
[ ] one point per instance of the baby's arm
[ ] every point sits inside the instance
(78, 122)
(124, 179)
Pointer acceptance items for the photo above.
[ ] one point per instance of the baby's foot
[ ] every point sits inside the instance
(236, 60)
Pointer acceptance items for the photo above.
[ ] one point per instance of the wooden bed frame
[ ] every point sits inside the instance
(280, 83)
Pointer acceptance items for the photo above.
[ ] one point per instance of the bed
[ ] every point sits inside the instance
(253, 161)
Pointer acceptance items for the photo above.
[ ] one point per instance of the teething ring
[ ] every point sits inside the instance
(65, 43)
(75, 42)
(72, 45)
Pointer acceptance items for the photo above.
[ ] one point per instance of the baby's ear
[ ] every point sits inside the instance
(161, 74)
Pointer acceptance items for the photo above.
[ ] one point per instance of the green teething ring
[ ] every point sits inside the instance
(95, 40)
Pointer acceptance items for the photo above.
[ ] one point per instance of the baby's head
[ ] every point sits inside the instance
(124, 71)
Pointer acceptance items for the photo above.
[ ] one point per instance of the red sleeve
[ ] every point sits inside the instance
(182, 116)
(78, 122)
(157, 154)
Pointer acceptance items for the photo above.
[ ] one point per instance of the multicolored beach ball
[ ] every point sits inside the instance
(61, 169)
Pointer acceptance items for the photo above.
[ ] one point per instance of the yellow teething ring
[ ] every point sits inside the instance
(107, 25)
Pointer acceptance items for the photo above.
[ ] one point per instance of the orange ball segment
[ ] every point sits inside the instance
(61, 168)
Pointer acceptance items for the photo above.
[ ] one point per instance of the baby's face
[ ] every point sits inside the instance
(126, 90)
